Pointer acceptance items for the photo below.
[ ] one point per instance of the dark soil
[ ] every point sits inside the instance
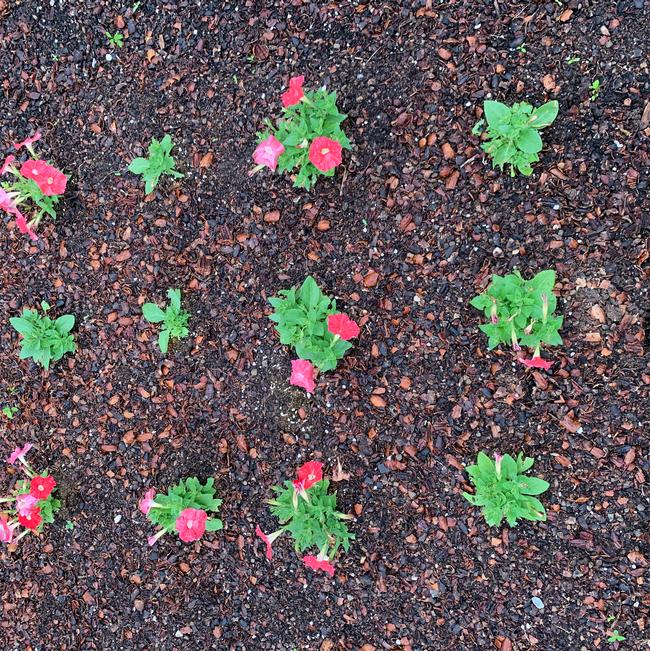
(417, 204)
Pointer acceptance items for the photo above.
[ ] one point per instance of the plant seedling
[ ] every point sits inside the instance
(513, 133)
(174, 319)
(615, 636)
(308, 512)
(302, 321)
(503, 491)
(595, 90)
(183, 509)
(570, 60)
(9, 412)
(160, 162)
(44, 340)
(69, 525)
(521, 48)
(520, 311)
(115, 40)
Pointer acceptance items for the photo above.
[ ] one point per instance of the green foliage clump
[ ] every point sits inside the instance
(301, 315)
(44, 340)
(513, 133)
(174, 319)
(503, 491)
(520, 311)
(313, 521)
(160, 162)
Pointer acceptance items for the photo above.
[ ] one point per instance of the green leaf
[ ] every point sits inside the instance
(174, 296)
(213, 524)
(533, 486)
(139, 165)
(495, 112)
(21, 325)
(529, 141)
(64, 323)
(153, 313)
(163, 340)
(545, 115)
(309, 292)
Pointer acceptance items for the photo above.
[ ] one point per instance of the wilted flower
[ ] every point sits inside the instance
(7, 164)
(325, 154)
(268, 152)
(294, 94)
(536, 362)
(497, 464)
(146, 503)
(19, 454)
(7, 202)
(28, 142)
(302, 374)
(340, 325)
(190, 524)
(6, 530)
(319, 562)
(268, 540)
(152, 540)
(24, 227)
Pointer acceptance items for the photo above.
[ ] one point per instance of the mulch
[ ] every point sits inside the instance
(409, 229)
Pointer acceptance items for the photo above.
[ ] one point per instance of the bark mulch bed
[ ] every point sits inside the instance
(404, 235)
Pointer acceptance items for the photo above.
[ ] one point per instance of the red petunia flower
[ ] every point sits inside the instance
(24, 227)
(268, 540)
(294, 94)
(268, 152)
(302, 374)
(342, 326)
(309, 474)
(28, 142)
(49, 180)
(319, 562)
(7, 164)
(41, 487)
(32, 519)
(325, 154)
(190, 524)
(536, 362)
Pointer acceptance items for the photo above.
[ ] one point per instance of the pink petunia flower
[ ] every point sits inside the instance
(268, 152)
(294, 94)
(190, 524)
(536, 362)
(49, 180)
(25, 503)
(24, 227)
(319, 562)
(268, 540)
(152, 540)
(6, 531)
(340, 325)
(302, 374)
(146, 503)
(19, 454)
(28, 142)
(325, 154)
(7, 164)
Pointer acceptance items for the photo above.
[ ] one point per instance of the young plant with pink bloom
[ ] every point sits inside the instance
(34, 190)
(183, 510)
(520, 313)
(308, 513)
(31, 503)
(307, 320)
(307, 140)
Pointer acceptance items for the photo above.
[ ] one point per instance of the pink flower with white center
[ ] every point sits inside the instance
(28, 142)
(146, 503)
(268, 152)
(320, 562)
(302, 374)
(7, 164)
(342, 326)
(190, 524)
(268, 540)
(25, 504)
(19, 454)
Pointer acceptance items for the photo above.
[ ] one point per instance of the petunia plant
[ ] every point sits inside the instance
(307, 320)
(174, 319)
(307, 139)
(521, 312)
(32, 502)
(43, 339)
(159, 162)
(307, 511)
(183, 510)
(34, 190)
(502, 489)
